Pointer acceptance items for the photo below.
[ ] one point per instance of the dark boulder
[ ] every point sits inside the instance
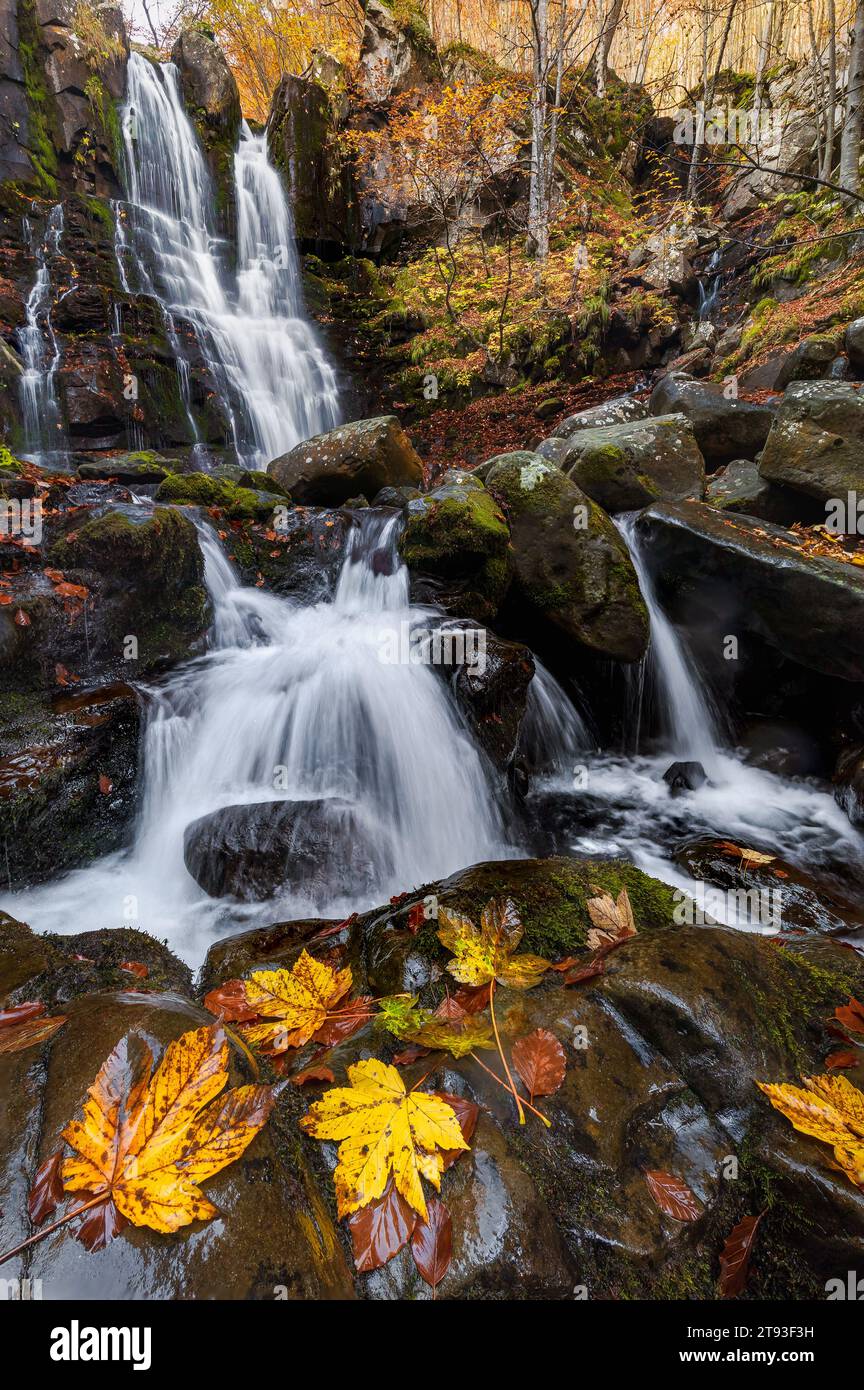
(456, 543)
(740, 487)
(361, 457)
(628, 466)
(849, 783)
(816, 444)
(725, 428)
(684, 777)
(303, 137)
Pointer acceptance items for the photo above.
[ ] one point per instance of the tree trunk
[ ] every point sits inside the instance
(609, 21)
(538, 212)
(828, 156)
(850, 144)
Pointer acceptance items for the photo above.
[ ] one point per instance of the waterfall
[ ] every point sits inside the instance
(553, 736)
(305, 704)
(273, 379)
(709, 287)
(690, 723)
(40, 410)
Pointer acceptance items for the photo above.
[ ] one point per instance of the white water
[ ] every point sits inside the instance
(40, 411)
(300, 697)
(273, 378)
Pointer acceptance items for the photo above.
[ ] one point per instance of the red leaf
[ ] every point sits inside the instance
(450, 1010)
(539, 1059)
(56, 576)
(47, 1189)
(105, 784)
(100, 1225)
(432, 1243)
(380, 1229)
(416, 915)
(316, 1074)
(228, 1001)
(473, 999)
(851, 1015)
(5, 598)
(673, 1196)
(30, 1032)
(135, 967)
(19, 1013)
(63, 676)
(345, 1024)
(840, 1061)
(735, 1259)
(72, 591)
(412, 1053)
(21, 618)
(467, 1113)
(562, 965)
(586, 972)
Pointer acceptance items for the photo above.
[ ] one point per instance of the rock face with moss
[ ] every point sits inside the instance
(212, 102)
(725, 428)
(628, 466)
(361, 457)
(816, 444)
(204, 490)
(456, 543)
(571, 570)
(397, 51)
(303, 130)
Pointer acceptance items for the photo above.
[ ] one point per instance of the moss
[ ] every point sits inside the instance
(40, 145)
(204, 490)
(105, 111)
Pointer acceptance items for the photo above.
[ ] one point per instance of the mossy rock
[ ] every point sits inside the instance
(456, 543)
(205, 490)
(571, 568)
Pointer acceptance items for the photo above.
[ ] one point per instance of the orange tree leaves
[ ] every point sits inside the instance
(280, 1009)
(830, 1109)
(673, 1196)
(539, 1059)
(147, 1138)
(23, 1025)
(735, 1257)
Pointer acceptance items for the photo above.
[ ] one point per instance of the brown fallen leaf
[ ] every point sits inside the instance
(67, 590)
(105, 784)
(563, 965)
(473, 999)
(18, 1013)
(29, 1033)
(841, 1061)
(313, 1074)
(735, 1257)
(63, 676)
(586, 972)
(747, 856)
(432, 1243)
(612, 918)
(229, 1002)
(135, 967)
(412, 1053)
(539, 1059)
(851, 1015)
(47, 1189)
(673, 1196)
(21, 618)
(381, 1229)
(416, 918)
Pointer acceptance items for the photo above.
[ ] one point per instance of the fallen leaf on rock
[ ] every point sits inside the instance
(5, 599)
(747, 856)
(565, 964)
(312, 1074)
(383, 1131)
(841, 1061)
(586, 972)
(612, 918)
(345, 1023)
(229, 1002)
(28, 1033)
(63, 676)
(830, 1109)
(539, 1059)
(21, 618)
(735, 1257)
(416, 918)
(851, 1015)
(473, 1000)
(135, 967)
(381, 1229)
(105, 784)
(72, 591)
(294, 1003)
(56, 576)
(18, 1013)
(47, 1190)
(432, 1243)
(673, 1196)
(463, 1035)
(410, 1054)
(484, 955)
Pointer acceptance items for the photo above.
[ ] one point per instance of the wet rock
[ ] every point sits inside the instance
(628, 466)
(740, 487)
(142, 467)
(24, 958)
(808, 607)
(363, 456)
(302, 559)
(571, 569)
(854, 344)
(249, 852)
(143, 572)
(815, 445)
(492, 694)
(212, 102)
(259, 948)
(783, 748)
(725, 428)
(456, 544)
(849, 783)
(811, 360)
(684, 777)
(274, 1232)
(68, 780)
(619, 410)
(205, 490)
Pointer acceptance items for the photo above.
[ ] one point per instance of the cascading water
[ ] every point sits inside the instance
(301, 704)
(40, 411)
(709, 287)
(274, 380)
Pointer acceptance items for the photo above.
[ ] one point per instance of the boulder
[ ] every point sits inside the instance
(456, 543)
(303, 140)
(571, 569)
(628, 466)
(808, 607)
(790, 146)
(811, 360)
(141, 467)
(360, 457)
(849, 783)
(664, 261)
(740, 487)
(725, 428)
(212, 101)
(684, 777)
(251, 851)
(854, 344)
(816, 444)
(617, 411)
(397, 51)
(492, 695)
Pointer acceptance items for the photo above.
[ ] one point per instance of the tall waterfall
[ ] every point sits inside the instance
(273, 378)
(305, 704)
(40, 411)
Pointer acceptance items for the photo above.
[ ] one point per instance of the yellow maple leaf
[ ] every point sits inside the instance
(383, 1129)
(294, 1002)
(146, 1142)
(828, 1108)
(486, 954)
(613, 919)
